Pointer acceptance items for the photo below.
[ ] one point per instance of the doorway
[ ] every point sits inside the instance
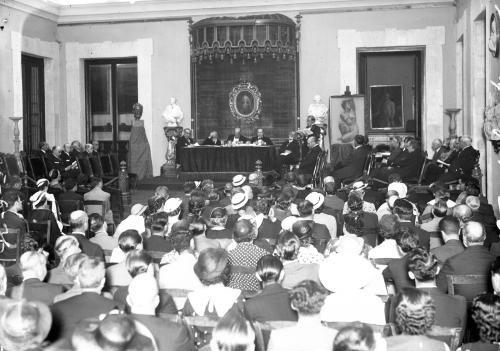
(33, 102)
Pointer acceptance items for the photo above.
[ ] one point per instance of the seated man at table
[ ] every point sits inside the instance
(290, 150)
(260, 139)
(309, 161)
(213, 139)
(237, 138)
(406, 164)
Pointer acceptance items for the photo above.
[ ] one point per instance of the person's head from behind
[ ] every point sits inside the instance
(212, 266)
(463, 213)
(439, 209)
(407, 239)
(70, 184)
(181, 240)
(97, 223)
(129, 240)
(303, 230)
(288, 246)
(415, 311)
(449, 227)
(233, 333)
(389, 226)
(359, 140)
(262, 207)
(355, 201)
(188, 187)
(96, 182)
(284, 201)
(355, 337)
(495, 275)
(423, 266)
(72, 266)
(218, 217)
(143, 295)
(308, 297)
(305, 209)
(11, 197)
(485, 312)
(243, 231)
(403, 209)
(65, 246)
(138, 262)
(473, 202)
(79, 221)
(91, 274)
(33, 265)
(269, 270)
(161, 191)
(473, 234)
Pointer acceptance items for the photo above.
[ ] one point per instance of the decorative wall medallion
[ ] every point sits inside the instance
(245, 102)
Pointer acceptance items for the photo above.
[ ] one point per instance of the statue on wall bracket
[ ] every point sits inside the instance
(245, 102)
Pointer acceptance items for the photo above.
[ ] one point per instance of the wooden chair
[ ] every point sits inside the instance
(10, 246)
(38, 167)
(95, 163)
(317, 176)
(11, 165)
(95, 206)
(156, 255)
(476, 281)
(384, 330)
(85, 166)
(68, 206)
(451, 336)
(107, 165)
(367, 168)
(40, 231)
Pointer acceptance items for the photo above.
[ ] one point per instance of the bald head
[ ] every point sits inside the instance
(243, 231)
(473, 233)
(466, 141)
(143, 293)
(436, 144)
(462, 212)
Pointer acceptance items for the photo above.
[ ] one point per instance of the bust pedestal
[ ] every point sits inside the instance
(168, 169)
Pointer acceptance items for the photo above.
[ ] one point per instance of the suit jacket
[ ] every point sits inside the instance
(157, 243)
(424, 237)
(394, 155)
(169, 336)
(352, 167)
(41, 153)
(66, 158)
(271, 304)
(88, 247)
(67, 313)
(265, 140)
(12, 220)
(320, 234)
(474, 260)
(295, 155)
(407, 164)
(243, 139)
(55, 163)
(71, 196)
(449, 249)
(397, 271)
(210, 141)
(465, 161)
(35, 290)
(309, 161)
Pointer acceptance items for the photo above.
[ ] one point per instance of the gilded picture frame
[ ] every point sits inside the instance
(245, 102)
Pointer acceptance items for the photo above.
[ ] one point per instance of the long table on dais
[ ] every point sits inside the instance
(228, 159)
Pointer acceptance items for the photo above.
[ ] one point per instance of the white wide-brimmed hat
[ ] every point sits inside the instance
(239, 179)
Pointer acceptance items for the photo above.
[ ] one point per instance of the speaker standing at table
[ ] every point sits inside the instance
(213, 139)
(260, 139)
(139, 161)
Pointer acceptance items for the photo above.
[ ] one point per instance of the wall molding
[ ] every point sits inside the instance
(76, 53)
(433, 38)
(49, 51)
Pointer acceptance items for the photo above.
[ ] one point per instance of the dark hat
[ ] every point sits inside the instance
(211, 263)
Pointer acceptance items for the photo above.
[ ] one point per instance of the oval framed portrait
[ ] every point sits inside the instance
(245, 102)
(493, 42)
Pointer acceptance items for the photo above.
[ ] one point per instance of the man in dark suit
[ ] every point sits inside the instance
(183, 141)
(273, 301)
(309, 161)
(79, 224)
(475, 259)
(461, 167)
(451, 311)
(395, 149)
(290, 151)
(213, 139)
(65, 155)
(406, 164)
(34, 268)
(449, 227)
(260, 139)
(404, 210)
(44, 149)
(142, 299)
(237, 138)
(12, 219)
(89, 304)
(157, 241)
(352, 167)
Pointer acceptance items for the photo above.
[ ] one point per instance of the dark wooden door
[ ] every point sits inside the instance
(33, 102)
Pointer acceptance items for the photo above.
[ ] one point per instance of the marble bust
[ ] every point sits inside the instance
(173, 114)
(318, 110)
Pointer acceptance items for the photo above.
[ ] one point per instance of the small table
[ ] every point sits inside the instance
(224, 159)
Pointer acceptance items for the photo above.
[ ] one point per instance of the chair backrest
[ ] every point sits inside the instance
(107, 255)
(95, 206)
(10, 245)
(475, 282)
(115, 162)
(38, 167)
(176, 292)
(106, 164)
(40, 230)
(317, 178)
(367, 167)
(95, 164)
(423, 168)
(68, 206)
(85, 166)
(451, 336)
(11, 165)
(385, 330)
(156, 255)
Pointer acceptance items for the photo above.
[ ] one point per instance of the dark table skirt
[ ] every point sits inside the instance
(228, 159)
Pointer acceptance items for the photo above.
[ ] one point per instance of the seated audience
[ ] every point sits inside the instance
(34, 269)
(404, 210)
(117, 274)
(272, 303)
(65, 246)
(331, 199)
(71, 268)
(292, 149)
(244, 257)
(415, 315)
(388, 206)
(156, 202)
(451, 310)
(70, 194)
(485, 313)
(173, 209)
(281, 208)
(267, 228)
(406, 164)
(319, 232)
(356, 337)
(12, 218)
(449, 227)
(308, 253)
(143, 299)
(317, 199)
(134, 221)
(233, 332)
(158, 241)
(359, 193)
(43, 149)
(352, 167)
(475, 259)
(388, 229)
(307, 298)
(431, 224)
(308, 162)
(79, 223)
(96, 193)
(89, 304)
(361, 223)
(461, 167)
(217, 223)
(45, 209)
(100, 229)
